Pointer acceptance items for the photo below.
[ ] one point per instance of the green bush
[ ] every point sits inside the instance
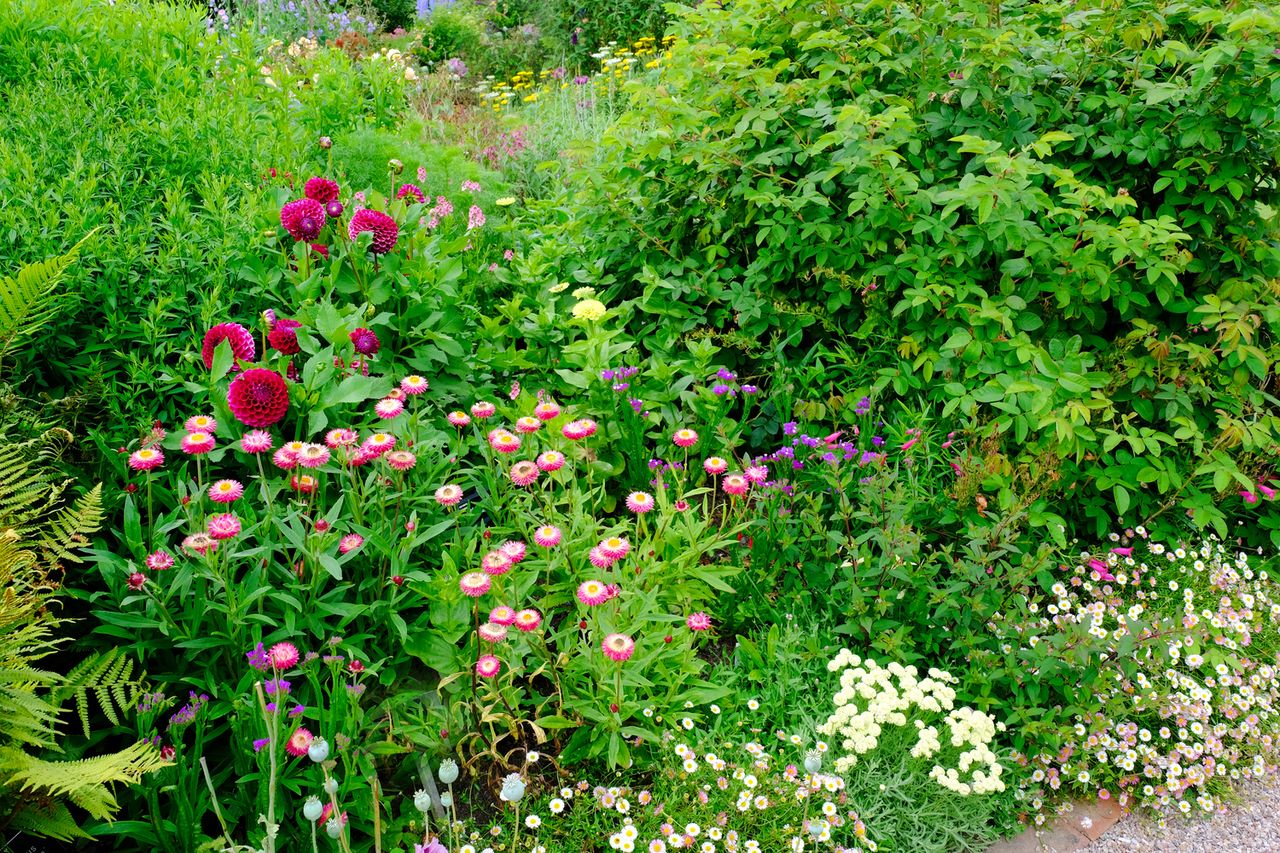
(394, 14)
(449, 33)
(574, 29)
(1052, 220)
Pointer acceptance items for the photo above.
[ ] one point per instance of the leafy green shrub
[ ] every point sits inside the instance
(362, 155)
(394, 14)
(449, 32)
(571, 30)
(1054, 222)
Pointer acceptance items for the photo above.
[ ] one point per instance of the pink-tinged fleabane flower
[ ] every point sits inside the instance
(685, 438)
(201, 423)
(503, 441)
(615, 547)
(197, 443)
(411, 190)
(258, 397)
(226, 491)
(224, 526)
(158, 561)
(735, 484)
(547, 536)
(502, 615)
(528, 620)
(284, 460)
(379, 443)
(313, 455)
(551, 460)
(528, 425)
(299, 742)
(414, 385)
(523, 473)
(546, 411)
(491, 632)
(449, 495)
(579, 429)
(384, 229)
(137, 580)
(1101, 569)
(199, 543)
(474, 584)
(349, 543)
(401, 460)
(303, 484)
(698, 622)
(146, 459)
(488, 666)
(715, 465)
(756, 474)
(593, 593)
(240, 338)
(515, 550)
(283, 656)
(303, 218)
(483, 409)
(495, 563)
(388, 409)
(640, 502)
(458, 419)
(341, 437)
(320, 189)
(256, 441)
(618, 647)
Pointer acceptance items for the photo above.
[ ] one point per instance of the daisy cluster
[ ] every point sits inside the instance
(1187, 637)
(872, 697)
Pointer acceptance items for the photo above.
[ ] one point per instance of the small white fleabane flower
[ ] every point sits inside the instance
(753, 705)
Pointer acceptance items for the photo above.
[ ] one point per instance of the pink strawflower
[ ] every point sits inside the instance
(304, 484)
(578, 430)
(449, 495)
(411, 190)
(546, 411)
(322, 190)
(715, 465)
(685, 438)
(312, 455)
(681, 505)
(458, 419)
(196, 443)
(640, 502)
(303, 218)
(514, 549)
(224, 525)
(599, 558)
(618, 647)
(258, 397)
(349, 543)
(201, 423)
(294, 448)
(502, 615)
(379, 443)
(284, 460)
(226, 491)
(299, 742)
(528, 620)
(528, 425)
(547, 536)
(158, 561)
(146, 459)
(592, 593)
(488, 666)
(523, 473)
(735, 484)
(492, 632)
(698, 622)
(341, 437)
(474, 584)
(484, 409)
(414, 385)
(756, 474)
(551, 460)
(137, 580)
(283, 656)
(199, 543)
(383, 227)
(256, 441)
(495, 563)
(401, 460)
(388, 409)
(503, 441)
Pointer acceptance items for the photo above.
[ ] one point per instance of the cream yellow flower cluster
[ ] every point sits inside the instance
(872, 697)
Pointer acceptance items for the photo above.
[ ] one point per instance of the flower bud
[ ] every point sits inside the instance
(448, 771)
(312, 808)
(395, 166)
(319, 750)
(333, 209)
(326, 143)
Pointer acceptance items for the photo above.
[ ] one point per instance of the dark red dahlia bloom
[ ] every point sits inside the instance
(384, 228)
(303, 219)
(410, 189)
(319, 249)
(322, 190)
(284, 337)
(240, 338)
(366, 342)
(258, 397)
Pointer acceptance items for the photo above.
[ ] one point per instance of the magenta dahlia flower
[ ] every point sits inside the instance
(410, 189)
(502, 615)
(303, 219)
(322, 190)
(384, 229)
(240, 338)
(283, 336)
(258, 397)
(618, 647)
(365, 341)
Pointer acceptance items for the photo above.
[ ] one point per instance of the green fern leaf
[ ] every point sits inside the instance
(26, 299)
(107, 676)
(69, 530)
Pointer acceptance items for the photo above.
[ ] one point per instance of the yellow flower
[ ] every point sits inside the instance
(505, 201)
(589, 309)
(555, 288)
(584, 292)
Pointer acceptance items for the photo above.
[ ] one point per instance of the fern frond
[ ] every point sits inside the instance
(26, 493)
(85, 782)
(26, 299)
(109, 677)
(44, 818)
(69, 530)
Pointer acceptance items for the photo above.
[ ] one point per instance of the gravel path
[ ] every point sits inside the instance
(1253, 826)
